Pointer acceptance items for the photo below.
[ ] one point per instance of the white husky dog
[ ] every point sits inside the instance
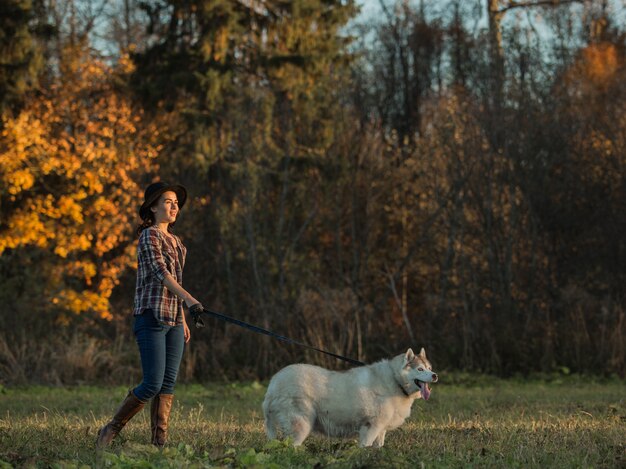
(368, 400)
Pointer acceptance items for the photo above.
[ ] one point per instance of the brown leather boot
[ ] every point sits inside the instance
(159, 417)
(127, 411)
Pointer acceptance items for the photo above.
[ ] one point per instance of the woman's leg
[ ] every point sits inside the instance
(151, 339)
(162, 403)
(174, 348)
(127, 411)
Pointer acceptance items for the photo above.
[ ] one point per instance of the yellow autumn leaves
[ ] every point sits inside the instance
(69, 162)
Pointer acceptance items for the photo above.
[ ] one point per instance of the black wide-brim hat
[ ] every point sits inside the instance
(154, 191)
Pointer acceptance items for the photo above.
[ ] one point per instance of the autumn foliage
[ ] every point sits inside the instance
(70, 163)
(406, 181)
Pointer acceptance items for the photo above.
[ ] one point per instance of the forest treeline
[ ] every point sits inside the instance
(447, 174)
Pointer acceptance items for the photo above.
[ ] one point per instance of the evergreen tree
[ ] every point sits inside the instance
(257, 86)
(20, 55)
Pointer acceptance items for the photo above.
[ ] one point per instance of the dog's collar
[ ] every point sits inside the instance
(398, 382)
(403, 390)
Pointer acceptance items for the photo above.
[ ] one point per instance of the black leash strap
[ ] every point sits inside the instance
(195, 313)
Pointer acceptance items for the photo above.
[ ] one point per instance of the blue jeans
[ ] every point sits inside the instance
(161, 350)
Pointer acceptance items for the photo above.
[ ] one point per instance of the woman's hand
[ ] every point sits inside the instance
(189, 302)
(186, 331)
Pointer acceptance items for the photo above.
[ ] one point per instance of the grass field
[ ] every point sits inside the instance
(467, 422)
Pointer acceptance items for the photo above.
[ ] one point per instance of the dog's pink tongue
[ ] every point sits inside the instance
(425, 392)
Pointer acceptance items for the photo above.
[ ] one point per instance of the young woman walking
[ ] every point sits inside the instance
(159, 320)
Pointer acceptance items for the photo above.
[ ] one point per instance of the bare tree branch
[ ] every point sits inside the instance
(401, 307)
(537, 3)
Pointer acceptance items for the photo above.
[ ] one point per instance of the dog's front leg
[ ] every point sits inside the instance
(369, 433)
(379, 441)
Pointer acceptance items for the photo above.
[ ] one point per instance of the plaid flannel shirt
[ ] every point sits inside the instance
(157, 256)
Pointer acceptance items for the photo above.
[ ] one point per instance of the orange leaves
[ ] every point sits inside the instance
(24, 228)
(21, 137)
(68, 165)
(595, 112)
(69, 209)
(221, 45)
(22, 133)
(596, 69)
(78, 302)
(125, 64)
(20, 180)
(600, 62)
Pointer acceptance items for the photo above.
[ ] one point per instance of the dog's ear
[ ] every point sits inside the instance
(422, 354)
(409, 357)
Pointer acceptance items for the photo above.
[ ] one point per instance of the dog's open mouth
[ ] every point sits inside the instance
(424, 388)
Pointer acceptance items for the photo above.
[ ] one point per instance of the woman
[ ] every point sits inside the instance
(160, 326)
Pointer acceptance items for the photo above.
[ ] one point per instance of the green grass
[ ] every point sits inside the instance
(467, 423)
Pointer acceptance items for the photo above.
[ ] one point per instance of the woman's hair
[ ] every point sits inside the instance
(147, 223)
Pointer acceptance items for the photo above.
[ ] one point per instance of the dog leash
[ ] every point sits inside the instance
(199, 310)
